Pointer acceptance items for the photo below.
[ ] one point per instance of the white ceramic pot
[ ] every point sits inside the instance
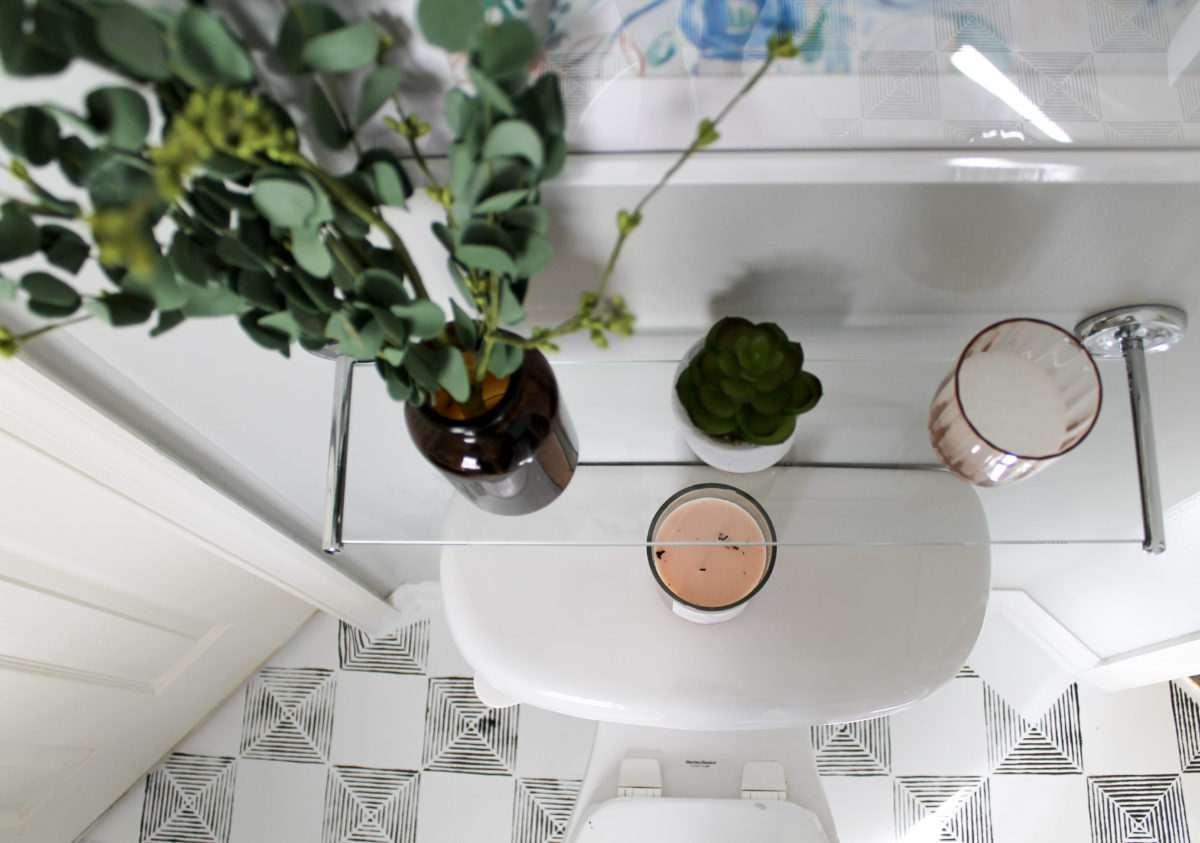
(735, 457)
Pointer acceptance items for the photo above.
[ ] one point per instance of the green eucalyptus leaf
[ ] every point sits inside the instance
(399, 385)
(311, 253)
(449, 24)
(8, 288)
(30, 133)
(505, 359)
(121, 309)
(510, 308)
(460, 281)
(258, 288)
(283, 198)
(548, 96)
(283, 322)
(27, 53)
(444, 235)
(207, 49)
(114, 179)
(490, 92)
(214, 299)
(325, 120)
(506, 49)
(74, 158)
(425, 318)
(379, 286)
(19, 235)
(264, 335)
(421, 366)
(50, 296)
(377, 88)
(361, 341)
(385, 177)
(501, 202)
(393, 355)
(527, 218)
(347, 48)
(556, 157)
(167, 319)
(486, 258)
(64, 248)
(134, 41)
(464, 327)
(452, 373)
(459, 110)
(234, 252)
(162, 287)
(396, 329)
(533, 252)
(303, 22)
(224, 166)
(120, 115)
(189, 260)
(319, 290)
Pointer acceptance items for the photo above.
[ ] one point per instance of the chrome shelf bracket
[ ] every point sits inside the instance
(1132, 332)
(339, 446)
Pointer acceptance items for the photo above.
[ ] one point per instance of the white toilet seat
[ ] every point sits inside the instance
(634, 820)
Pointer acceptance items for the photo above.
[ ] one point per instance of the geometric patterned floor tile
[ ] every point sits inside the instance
(369, 805)
(863, 748)
(542, 808)
(1137, 809)
(952, 809)
(402, 651)
(188, 799)
(1053, 745)
(462, 735)
(289, 715)
(1186, 712)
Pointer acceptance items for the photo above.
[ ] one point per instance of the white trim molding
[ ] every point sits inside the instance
(50, 419)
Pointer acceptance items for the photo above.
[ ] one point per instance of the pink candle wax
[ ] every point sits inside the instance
(716, 575)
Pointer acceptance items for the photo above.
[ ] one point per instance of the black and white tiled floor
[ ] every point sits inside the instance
(342, 738)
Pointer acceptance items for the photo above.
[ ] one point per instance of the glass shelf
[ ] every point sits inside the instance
(862, 471)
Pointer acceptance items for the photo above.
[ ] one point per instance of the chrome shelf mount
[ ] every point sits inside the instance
(1133, 332)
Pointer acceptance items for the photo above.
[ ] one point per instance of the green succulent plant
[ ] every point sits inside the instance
(748, 383)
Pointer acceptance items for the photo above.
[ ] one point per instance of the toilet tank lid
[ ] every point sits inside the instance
(671, 820)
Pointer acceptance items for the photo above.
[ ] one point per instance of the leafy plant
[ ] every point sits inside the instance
(747, 383)
(225, 213)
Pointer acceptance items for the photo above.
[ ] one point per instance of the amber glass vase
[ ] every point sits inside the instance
(516, 456)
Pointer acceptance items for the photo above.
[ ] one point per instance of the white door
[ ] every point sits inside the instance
(120, 627)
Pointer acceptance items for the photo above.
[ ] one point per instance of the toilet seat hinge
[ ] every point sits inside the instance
(640, 777)
(764, 780)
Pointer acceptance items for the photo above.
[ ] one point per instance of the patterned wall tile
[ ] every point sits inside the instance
(1189, 99)
(863, 748)
(1051, 745)
(945, 808)
(541, 809)
(370, 805)
(462, 735)
(842, 130)
(1127, 26)
(1133, 809)
(989, 132)
(402, 651)
(1143, 132)
(1062, 85)
(838, 31)
(1186, 712)
(982, 24)
(899, 85)
(189, 799)
(289, 715)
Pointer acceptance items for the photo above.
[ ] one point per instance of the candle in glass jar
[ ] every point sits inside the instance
(713, 575)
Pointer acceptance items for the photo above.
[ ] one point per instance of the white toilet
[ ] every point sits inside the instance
(703, 729)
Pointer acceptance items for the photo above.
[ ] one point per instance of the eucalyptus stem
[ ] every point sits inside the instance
(490, 334)
(10, 344)
(416, 150)
(368, 215)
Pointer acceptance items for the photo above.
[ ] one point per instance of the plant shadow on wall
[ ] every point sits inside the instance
(812, 284)
(227, 214)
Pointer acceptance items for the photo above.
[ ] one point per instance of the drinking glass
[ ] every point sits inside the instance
(727, 556)
(1023, 393)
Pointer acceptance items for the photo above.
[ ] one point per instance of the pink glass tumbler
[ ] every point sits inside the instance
(1023, 393)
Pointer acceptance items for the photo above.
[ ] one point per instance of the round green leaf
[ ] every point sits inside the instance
(208, 49)
(28, 53)
(48, 296)
(425, 317)
(490, 92)
(382, 287)
(377, 87)
(344, 49)
(115, 179)
(486, 258)
(452, 373)
(18, 234)
(510, 309)
(459, 109)
(385, 178)
(449, 24)
(528, 218)
(120, 114)
(505, 359)
(30, 133)
(74, 158)
(285, 200)
(532, 252)
(302, 22)
(133, 40)
(311, 253)
(120, 309)
(325, 120)
(548, 96)
(64, 248)
(514, 139)
(264, 335)
(501, 202)
(506, 49)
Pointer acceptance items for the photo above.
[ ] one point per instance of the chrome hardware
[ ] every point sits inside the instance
(339, 444)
